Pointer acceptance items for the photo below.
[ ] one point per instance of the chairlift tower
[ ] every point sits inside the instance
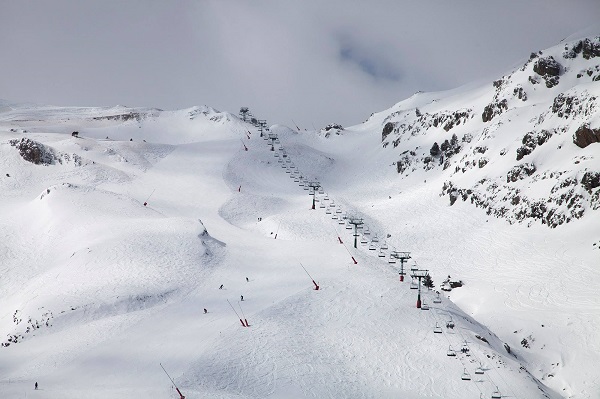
(315, 186)
(419, 274)
(403, 257)
(357, 222)
(272, 137)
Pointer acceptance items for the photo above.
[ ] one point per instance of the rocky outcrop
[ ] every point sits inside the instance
(530, 141)
(519, 172)
(493, 109)
(549, 69)
(585, 136)
(40, 154)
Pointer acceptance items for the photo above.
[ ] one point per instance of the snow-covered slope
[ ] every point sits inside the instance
(97, 288)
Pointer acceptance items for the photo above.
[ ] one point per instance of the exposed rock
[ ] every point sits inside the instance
(590, 180)
(387, 129)
(571, 106)
(494, 109)
(520, 172)
(547, 66)
(530, 141)
(40, 154)
(585, 136)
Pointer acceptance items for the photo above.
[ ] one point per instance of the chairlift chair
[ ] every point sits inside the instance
(479, 370)
(450, 323)
(424, 306)
(305, 188)
(363, 240)
(384, 246)
(437, 299)
(413, 284)
(341, 221)
(326, 197)
(372, 247)
(437, 329)
(321, 191)
(496, 394)
(334, 216)
(328, 211)
(381, 254)
(375, 239)
(465, 376)
(296, 180)
(366, 231)
(348, 226)
(276, 155)
(392, 259)
(279, 160)
(339, 210)
(288, 160)
(451, 351)
(322, 205)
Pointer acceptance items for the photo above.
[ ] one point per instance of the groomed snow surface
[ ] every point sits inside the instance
(99, 290)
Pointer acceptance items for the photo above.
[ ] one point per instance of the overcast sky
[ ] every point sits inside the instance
(311, 61)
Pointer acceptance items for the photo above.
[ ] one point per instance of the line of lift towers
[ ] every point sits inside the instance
(352, 222)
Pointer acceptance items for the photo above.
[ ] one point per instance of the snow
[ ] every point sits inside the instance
(115, 288)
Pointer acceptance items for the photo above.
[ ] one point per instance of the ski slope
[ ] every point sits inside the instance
(114, 287)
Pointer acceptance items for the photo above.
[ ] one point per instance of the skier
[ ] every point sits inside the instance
(247, 279)
(36, 385)
(205, 311)
(221, 287)
(242, 298)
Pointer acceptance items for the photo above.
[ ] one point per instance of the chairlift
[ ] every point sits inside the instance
(381, 254)
(465, 376)
(288, 160)
(450, 352)
(322, 205)
(437, 299)
(348, 226)
(437, 329)
(392, 259)
(341, 221)
(375, 239)
(413, 284)
(276, 155)
(372, 247)
(334, 216)
(465, 348)
(296, 180)
(450, 323)
(366, 231)
(328, 211)
(424, 306)
(305, 187)
(287, 171)
(496, 394)
(479, 370)
(384, 246)
(279, 160)
(363, 240)
(321, 191)
(326, 197)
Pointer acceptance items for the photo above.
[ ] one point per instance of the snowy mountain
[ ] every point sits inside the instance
(121, 225)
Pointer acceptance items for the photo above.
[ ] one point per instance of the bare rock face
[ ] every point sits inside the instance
(387, 129)
(40, 154)
(520, 172)
(590, 180)
(549, 69)
(494, 109)
(34, 152)
(585, 136)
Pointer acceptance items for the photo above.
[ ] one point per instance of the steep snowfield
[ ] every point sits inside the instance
(96, 289)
